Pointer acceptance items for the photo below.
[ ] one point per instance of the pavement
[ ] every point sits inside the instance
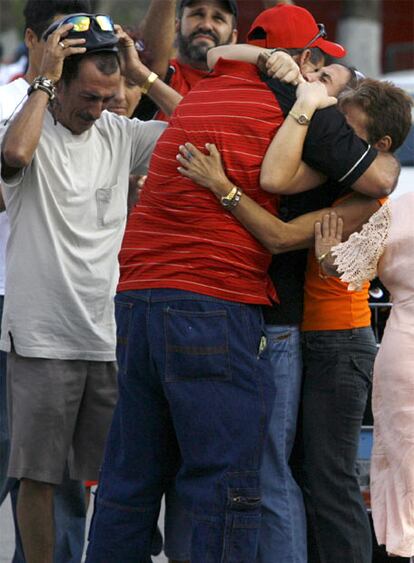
(7, 533)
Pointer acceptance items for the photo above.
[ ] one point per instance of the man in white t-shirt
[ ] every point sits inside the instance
(69, 505)
(65, 168)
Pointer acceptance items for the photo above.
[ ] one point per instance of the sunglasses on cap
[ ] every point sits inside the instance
(82, 23)
(321, 34)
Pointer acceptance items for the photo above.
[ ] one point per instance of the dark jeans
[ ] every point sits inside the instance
(195, 393)
(337, 377)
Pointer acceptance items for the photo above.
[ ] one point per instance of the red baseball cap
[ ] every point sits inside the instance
(291, 27)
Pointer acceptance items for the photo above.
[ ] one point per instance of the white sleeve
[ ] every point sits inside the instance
(357, 258)
(144, 136)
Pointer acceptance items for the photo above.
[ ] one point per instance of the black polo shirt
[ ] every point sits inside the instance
(331, 147)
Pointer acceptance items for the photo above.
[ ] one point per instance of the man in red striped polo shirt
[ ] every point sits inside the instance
(189, 322)
(195, 383)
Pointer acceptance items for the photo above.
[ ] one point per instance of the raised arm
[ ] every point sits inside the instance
(239, 52)
(134, 69)
(158, 31)
(22, 136)
(274, 234)
(275, 63)
(283, 170)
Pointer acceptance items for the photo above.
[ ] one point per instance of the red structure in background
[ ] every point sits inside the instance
(397, 19)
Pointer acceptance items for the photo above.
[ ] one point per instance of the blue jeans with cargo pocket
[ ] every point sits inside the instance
(195, 397)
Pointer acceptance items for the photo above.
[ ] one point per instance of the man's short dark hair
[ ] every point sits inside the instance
(316, 55)
(39, 14)
(106, 62)
(387, 107)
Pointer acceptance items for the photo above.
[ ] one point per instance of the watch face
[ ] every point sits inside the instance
(303, 120)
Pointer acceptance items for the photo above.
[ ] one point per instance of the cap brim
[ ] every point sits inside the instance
(113, 49)
(330, 48)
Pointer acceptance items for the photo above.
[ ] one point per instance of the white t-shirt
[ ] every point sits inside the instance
(67, 213)
(10, 97)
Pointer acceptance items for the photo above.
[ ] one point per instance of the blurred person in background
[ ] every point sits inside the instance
(198, 26)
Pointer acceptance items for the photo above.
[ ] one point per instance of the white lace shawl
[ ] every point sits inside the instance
(357, 258)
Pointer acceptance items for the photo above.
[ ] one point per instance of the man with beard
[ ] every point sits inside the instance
(200, 25)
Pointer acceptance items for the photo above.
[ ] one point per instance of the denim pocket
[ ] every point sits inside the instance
(243, 518)
(197, 345)
(242, 499)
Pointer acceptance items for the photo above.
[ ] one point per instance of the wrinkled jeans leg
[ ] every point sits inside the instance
(337, 377)
(141, 455)
(192, 368)
(283, 532)
(217, 376)
(177, 527)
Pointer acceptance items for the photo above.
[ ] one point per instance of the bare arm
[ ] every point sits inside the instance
(283, 170)
(22, 137)
(23, 134)
(276, 64)
(274, 234)
(381, 178)
(158, 32)
(163, 95)
(240, 52)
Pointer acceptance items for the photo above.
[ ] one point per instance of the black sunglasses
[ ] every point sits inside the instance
(321, 33)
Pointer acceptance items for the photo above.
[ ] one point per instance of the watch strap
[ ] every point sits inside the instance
(301, 118)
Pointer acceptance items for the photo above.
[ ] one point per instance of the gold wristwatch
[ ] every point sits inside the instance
(301, 118)
(230, 200)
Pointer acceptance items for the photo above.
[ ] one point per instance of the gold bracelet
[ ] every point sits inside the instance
(320, 259)
(151, 78)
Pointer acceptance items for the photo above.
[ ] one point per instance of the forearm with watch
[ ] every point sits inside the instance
(271, 232)
(160, 93)
(283, 170)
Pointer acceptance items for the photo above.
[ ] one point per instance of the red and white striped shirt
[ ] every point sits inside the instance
(179, 236)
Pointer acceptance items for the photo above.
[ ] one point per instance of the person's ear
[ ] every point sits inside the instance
(304, 58)
(234, 37)
(384, 144)
(177, 24)
(30, 38)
